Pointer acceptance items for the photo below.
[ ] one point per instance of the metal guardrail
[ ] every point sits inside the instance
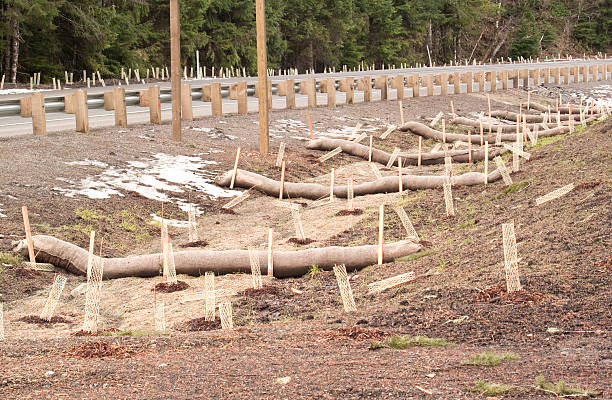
(132, 97)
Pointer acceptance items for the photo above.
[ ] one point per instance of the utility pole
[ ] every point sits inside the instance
(175, 68)
(262, 74)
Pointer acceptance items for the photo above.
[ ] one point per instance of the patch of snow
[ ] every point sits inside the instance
(171, 222)
(19, 91)
(152, 178)
(1, 214)
(201, 129)
(88, 162)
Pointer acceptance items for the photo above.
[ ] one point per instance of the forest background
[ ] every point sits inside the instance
(52, 36)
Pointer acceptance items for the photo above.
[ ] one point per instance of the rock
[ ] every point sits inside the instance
(79, 290)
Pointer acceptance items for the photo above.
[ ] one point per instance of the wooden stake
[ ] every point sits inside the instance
(119, 106)
(401, 109)
(331, 186)
(186, 104)
(399, 172)
(452, 109)
(39, 119)
(486, 163)
(282, 181)
(370, 150)
(443, 131)
(81, 111)
(28, 233)
(270, 252)
(381, 218)
(470, 146)
(420, 150)
(309, 124)
(262, 57)
(235, 168)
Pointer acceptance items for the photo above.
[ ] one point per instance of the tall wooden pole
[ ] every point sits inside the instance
(175, 67)
(262, 74)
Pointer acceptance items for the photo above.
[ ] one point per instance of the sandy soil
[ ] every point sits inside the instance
(295, 328)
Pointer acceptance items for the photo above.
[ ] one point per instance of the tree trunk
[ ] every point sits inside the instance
(14, 49)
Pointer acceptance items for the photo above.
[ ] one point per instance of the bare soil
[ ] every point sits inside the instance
(560, 324)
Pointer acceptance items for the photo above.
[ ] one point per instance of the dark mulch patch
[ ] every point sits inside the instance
(100, 349)
(98, 333)
(589, 185)
(301, 242)
(498, 293)
(35, 319)
(265, 290)
(603, 264)
(199, 324)
(355, 333)
(28, 273)
(226, 211)
(357, 211)
(197, 243)
(165, 287)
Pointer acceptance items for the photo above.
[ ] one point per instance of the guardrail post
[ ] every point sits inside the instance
(380, 82)
(119, 106)
(186, 102)
(39, 120)
(609, 68)
(330, 89)
(481, 81)
(216, 99)
(154, 104)
(524, 74)
(468, 79)
(109, 103)
(457, 83)
(565, 72)
(585, 73)
(536, 77)
(415, 85)
(308, 87)
(397, 83)
(365, 84)
(289, 85)
(493, 80)
(81, 111)
(443, 84)
(347, 85)
(25, 104)
(595, 71)
(546, 73)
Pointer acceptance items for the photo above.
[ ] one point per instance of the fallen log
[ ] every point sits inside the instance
(314, 191)
(196, 262)
(553, 109)
(476, 124)
(382, 157)
(429, 133)
(531, 118)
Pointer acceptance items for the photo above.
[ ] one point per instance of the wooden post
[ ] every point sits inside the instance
(309, 123)
(39, 119)
(381, 219)
(81, 111)
(109, 103)
(515, 78)
(290, 94)
(481, 81)
(154, 105)
(401, 110)
(119, 106)
(262, 74)
(241, 97)
(399, 174)
(505, 80)
(381, 83)
(397, 83)
(420, 151)
(469, 81)
(443, 84)
(365, 84)
(25, 105)
(270, 252)
(175, 69)
(493, 80)
(370, 150)
(470, 146)
(457, 82)
(331, 185)
(28, 233)
(216, 99)
(186, 103)
(330, 88)
(269, 93)
(430, 85)
(486, 163)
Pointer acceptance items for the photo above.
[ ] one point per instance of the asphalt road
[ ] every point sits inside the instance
(59, 121)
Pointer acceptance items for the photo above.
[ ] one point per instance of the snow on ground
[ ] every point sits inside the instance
(155, 177)
(19, 91)
(285, 126)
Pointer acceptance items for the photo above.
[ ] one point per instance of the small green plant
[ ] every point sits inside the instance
(404, 342)
(491, 389)
(543, 141)
(314, 271)
(87, 215)
(416, 256)
(128, 226)
(561, 389)
(9, 259)
(513, 188)
(471, 223)
(490, 359)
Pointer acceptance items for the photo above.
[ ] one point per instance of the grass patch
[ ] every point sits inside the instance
(87, 215)
(471, 223)
(416, 256)
(490, 359)
(543, 141)
(491, 389)
(128, 226)
(314, 271)
(135, 333)
(405, 342)
(515, 187)
(10, 259)
(561, 389)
